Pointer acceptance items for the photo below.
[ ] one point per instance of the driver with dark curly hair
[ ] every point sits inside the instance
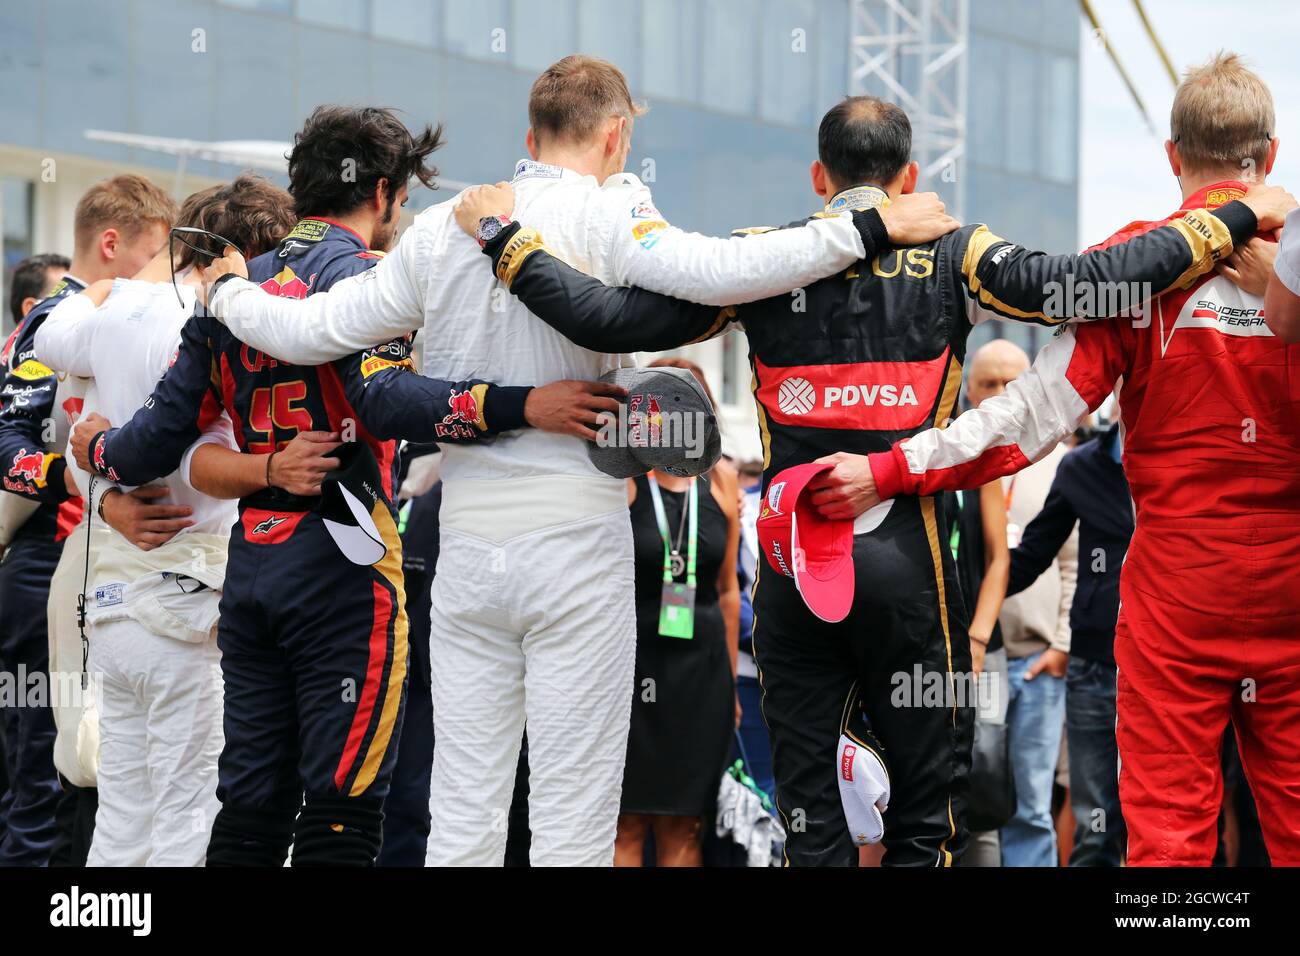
(313, 640)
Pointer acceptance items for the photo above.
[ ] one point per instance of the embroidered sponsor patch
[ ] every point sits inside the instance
(774, 498)
(846, 762)
(31, 370)
(309, 230)
(528, 169)
(30, 466)
(269, 527)
(860, 197)
(108, 595)
(1221, 197)
(888, 396)
(98, 460)
(647, 233)
(645, 421)
(463, 407)
(286, 284)
(373, 363)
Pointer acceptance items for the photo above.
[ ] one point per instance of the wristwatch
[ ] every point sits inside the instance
(489, 227)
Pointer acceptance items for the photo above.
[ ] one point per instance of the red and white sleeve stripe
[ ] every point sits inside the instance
(1072, 375)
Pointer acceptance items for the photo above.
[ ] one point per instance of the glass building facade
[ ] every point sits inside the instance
(1022, 141)
(735, 89)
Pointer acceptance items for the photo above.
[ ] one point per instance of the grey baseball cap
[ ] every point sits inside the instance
(667, 422)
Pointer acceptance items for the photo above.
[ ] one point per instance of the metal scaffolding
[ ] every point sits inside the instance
(913, 53)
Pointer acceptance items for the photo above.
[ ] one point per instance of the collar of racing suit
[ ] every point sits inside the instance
(531, 169)
(307, 221)
(858, 197)
(1215, 195)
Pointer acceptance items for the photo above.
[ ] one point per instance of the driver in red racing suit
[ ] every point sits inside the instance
(1209, 623)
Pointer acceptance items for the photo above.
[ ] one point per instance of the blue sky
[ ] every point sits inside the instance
(1124, 174)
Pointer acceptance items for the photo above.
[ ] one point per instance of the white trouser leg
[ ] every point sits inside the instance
(183, 688)
(160, 737)
(478, 703)
(125, 813)
(580, 652)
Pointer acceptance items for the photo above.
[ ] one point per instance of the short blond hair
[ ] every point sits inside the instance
(1222, 115)
(126, 203)
(576, 95)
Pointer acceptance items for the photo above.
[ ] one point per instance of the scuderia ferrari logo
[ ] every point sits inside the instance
(1221, 306)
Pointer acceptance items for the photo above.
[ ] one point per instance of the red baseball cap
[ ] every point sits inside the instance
(799, 543)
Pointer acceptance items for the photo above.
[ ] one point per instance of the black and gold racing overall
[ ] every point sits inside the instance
(853, 364)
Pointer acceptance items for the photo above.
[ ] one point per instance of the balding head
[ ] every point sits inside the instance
(864, 141)
(992, 367)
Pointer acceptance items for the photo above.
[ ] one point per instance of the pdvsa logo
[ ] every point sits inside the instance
(797, 396)
(887, 395)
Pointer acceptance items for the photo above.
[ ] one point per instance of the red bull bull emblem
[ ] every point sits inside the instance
(287, 285)
(464, 407)
(98, 461)
(462, 420)
(29, 466)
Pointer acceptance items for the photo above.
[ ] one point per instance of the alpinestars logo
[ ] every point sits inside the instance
(270, 524)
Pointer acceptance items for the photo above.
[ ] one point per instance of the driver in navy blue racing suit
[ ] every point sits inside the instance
(313, 647)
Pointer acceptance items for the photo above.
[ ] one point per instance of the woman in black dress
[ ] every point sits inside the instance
(684, 703)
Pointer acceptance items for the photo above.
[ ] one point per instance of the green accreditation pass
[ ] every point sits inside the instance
(677, 605)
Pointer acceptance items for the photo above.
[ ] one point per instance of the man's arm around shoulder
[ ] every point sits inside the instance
(1282, 299)
(355, 314)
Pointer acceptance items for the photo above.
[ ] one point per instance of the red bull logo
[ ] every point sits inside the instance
(464, 408)
(644, 421)
(98, 461)
(28, 465)
(463, 420)
(287, 285)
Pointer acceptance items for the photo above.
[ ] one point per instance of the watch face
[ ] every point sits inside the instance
(489, 228)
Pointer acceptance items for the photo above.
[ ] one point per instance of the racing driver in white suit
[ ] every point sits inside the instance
(532, 612)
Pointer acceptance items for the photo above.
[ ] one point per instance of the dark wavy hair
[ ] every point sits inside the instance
(250, 211)
(342, 152)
